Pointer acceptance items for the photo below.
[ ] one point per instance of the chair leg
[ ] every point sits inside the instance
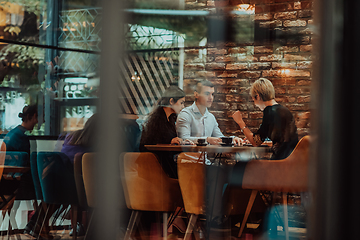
(75, 220)
(89, 225)
(174, 215)
(35, 204)
(42, 225)
(134, 220)
(40, 208)
(9, 227)
(190, 226)
(197, 231)
(247, 211)
(165, 218)
(286, 223)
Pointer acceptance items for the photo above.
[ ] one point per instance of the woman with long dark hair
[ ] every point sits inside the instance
(159, 128)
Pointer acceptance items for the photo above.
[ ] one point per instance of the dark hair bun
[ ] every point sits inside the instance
(27, 112)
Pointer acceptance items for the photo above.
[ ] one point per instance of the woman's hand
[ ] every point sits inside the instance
(237, 116)
(238, 141)
(176, 141)
(246, 141)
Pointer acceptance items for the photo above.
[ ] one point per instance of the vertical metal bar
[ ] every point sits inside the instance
(165, 218)
(109, 140)
(51, 40)
(286, 220)
(181, 63)
(335, 160)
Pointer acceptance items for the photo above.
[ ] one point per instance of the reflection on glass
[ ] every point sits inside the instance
(26, 78)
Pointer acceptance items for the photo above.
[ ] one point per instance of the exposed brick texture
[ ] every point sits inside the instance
(287, 61)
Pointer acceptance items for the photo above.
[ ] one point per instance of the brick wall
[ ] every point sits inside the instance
(286, 60)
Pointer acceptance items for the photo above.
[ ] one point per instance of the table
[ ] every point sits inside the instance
(247, 152)
(218, 150)
(207, 148)
(15, 169)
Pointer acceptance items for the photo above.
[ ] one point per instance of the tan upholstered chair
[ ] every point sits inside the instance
(191, 173)
(287, 175)
(192, 180)
(147, 188)
(86, 167)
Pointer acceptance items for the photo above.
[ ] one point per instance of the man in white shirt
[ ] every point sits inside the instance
(196, 122)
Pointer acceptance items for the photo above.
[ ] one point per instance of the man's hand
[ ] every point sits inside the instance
(238, 141)
(213, 140)
(188, 142)
(237, 117)
(176, 141)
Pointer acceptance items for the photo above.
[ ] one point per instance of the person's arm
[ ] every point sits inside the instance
(249, 135)
(183, 126)
(216, 134)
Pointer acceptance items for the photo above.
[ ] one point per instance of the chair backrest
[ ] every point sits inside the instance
(287, 175)
(130, 131)
(56, 178)
(191, 172)
(146, 185)
(89, 168)
(35, 175)
(78, 174)
(14, 158)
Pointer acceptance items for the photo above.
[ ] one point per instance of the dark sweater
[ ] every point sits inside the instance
(159, 130)
(278, 124)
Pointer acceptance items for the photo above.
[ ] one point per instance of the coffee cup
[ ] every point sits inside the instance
(201, 141)
(227, 140)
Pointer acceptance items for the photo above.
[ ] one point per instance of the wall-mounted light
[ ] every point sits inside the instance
(245, 8)
(285, 71)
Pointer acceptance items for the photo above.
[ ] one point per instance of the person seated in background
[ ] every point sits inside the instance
(159, 128)
(278, 123)
(81, 141)
(17, 140)
(196, 122)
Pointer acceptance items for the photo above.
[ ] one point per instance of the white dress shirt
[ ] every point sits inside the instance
(192, 125)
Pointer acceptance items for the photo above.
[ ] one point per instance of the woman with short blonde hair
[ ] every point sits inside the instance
(263, 88)
(278, 123)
